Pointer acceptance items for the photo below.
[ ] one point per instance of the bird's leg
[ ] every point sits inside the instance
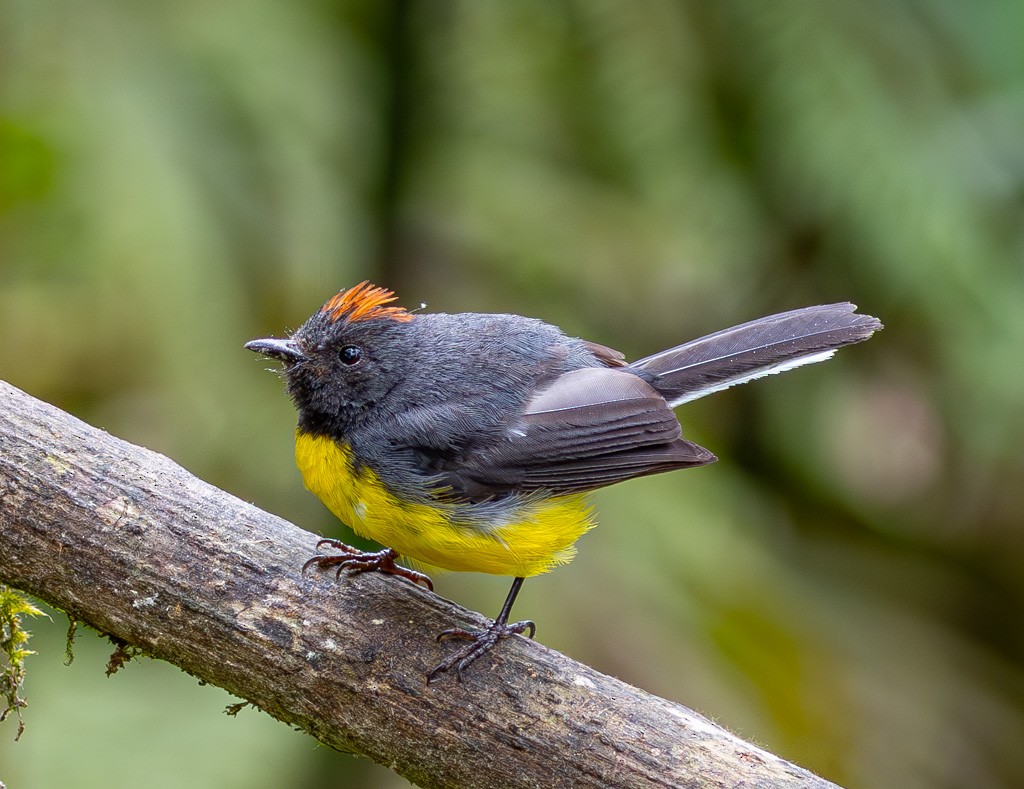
(482, 641)
(356, 561)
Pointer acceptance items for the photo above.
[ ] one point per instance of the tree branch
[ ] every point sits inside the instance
(129, 542)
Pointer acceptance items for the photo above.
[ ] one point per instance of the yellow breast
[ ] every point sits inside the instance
(523, 540)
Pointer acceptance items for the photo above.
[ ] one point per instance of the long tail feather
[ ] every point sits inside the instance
(748, 351)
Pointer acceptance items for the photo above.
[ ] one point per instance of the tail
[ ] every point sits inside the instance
(751, 350)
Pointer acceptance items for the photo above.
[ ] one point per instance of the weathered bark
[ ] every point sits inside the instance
(129, 542)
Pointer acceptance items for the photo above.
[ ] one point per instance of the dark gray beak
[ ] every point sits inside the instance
(285, 350)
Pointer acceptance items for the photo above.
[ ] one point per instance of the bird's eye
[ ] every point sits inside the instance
(350, 354)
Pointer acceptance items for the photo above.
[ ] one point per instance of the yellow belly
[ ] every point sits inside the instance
(526, 540)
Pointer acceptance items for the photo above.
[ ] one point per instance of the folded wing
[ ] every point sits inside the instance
(587, 429)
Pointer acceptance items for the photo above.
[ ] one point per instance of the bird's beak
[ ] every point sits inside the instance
(285, 350)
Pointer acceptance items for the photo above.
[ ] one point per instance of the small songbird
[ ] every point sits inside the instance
(468, 441)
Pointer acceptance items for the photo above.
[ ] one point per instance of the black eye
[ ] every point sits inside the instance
(350, 354)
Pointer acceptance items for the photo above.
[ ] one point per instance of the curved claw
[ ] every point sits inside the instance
(482, 642)
(315, 560)
(337, 545)
(357, 561)
(457, 632)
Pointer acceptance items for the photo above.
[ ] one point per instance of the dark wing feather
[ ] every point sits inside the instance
(751, 350)
(589, 428)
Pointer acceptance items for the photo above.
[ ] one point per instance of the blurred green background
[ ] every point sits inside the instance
(844, 587)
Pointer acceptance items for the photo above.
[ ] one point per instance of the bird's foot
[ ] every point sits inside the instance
(481, 642)
(356, 561)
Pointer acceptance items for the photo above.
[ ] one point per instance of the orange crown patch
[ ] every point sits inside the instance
(364, 302)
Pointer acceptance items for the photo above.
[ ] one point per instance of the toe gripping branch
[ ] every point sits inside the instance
(482, 641)
(355, 561)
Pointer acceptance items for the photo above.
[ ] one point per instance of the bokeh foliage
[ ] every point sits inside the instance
(846, 586)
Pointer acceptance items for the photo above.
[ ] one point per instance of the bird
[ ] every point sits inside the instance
(469, 441)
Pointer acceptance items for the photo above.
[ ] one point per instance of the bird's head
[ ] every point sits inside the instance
(343, 360)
